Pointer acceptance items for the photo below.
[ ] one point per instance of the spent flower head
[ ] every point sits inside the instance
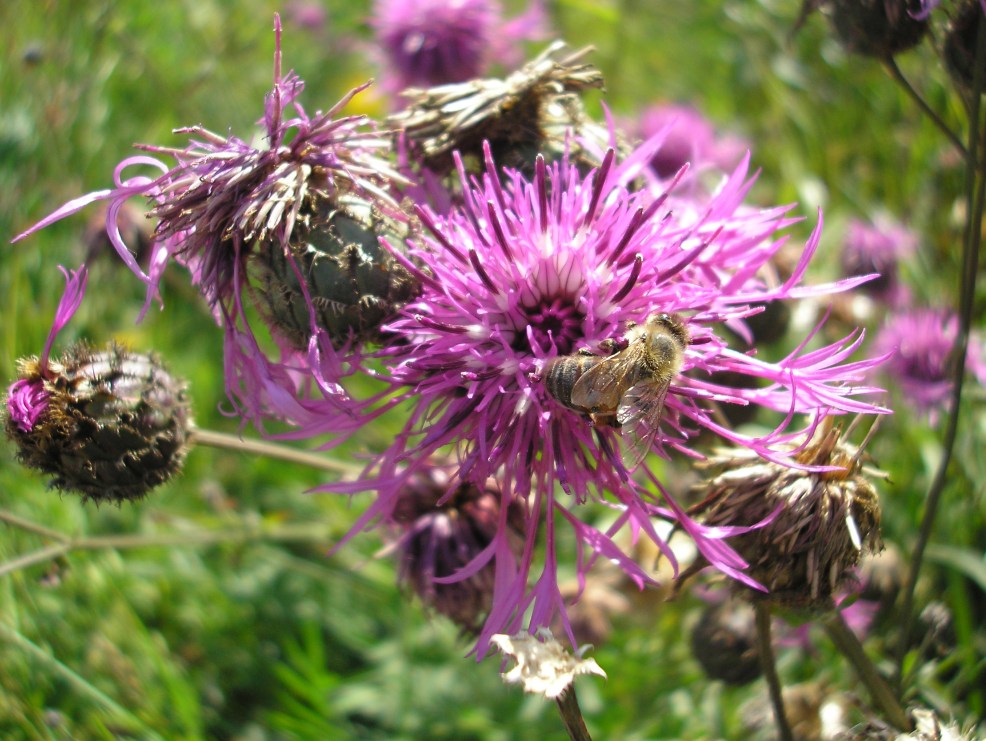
(821, 514)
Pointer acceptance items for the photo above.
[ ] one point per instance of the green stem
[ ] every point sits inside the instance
(930, 112)
(293, 533)
(975, 194)
(32, 527)
(766, 648)
(76, 681)
(571, 715)
(850, 647)
(226, 441)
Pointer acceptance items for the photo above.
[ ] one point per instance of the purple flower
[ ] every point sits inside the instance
(223, 198)
(433, 42)
(27, 398)
(878, 247)
(528, 271)
(689, 138)
(920, 343)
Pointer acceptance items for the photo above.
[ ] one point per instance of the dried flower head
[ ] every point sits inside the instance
(819, 518)
(544, 666)
(535, 110)
(442, 531)
(110, 425)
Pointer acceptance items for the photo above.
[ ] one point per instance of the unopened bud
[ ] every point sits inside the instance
(110, 425)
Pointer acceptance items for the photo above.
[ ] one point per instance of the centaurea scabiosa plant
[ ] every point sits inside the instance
(562, 264)
(227, 201)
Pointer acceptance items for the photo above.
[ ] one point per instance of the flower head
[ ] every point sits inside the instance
(434, 42)
(878, 247)
(819, 521)
(441, 531)
(921, 342)
(690, 138)
(875, 28)
(581, 268)
(110, 425)
(226, 199)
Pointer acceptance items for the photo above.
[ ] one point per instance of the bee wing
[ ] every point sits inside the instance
(601, 386)
(639, 413)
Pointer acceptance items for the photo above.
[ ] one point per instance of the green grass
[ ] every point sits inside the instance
(257, 633)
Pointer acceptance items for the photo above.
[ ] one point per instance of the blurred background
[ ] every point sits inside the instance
(217, 613)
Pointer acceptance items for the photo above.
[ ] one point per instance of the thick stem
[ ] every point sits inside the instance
(571, 715)
(975, 193)
(850, 647)
(262, 447)
(766, 648)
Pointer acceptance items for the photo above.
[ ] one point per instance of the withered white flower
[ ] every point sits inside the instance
(544, 666)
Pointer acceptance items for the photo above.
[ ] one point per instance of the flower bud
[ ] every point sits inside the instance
(724, 642)
(353, 283)
(878, 28)
(960, 44)
(110, 425)
(437, 540)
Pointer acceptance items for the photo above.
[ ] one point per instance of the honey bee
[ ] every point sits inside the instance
(626, 388)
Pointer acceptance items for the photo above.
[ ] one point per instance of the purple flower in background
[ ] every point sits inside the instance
(921, 343)
(433, 42)
(689, 138)
(878, 247)
(582, 269)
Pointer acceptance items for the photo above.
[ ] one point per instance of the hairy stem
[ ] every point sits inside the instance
(975, 195)
(769, 668)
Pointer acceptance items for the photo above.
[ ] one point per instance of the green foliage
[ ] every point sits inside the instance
(250, 631)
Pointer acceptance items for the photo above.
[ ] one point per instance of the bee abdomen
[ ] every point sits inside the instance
(562, 373)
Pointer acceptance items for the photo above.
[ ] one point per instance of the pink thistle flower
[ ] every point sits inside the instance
(224, 196)
(528, 271)
(433, 42)
(920, 343)
(27, 398)
(690, 139)
(878, 248)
